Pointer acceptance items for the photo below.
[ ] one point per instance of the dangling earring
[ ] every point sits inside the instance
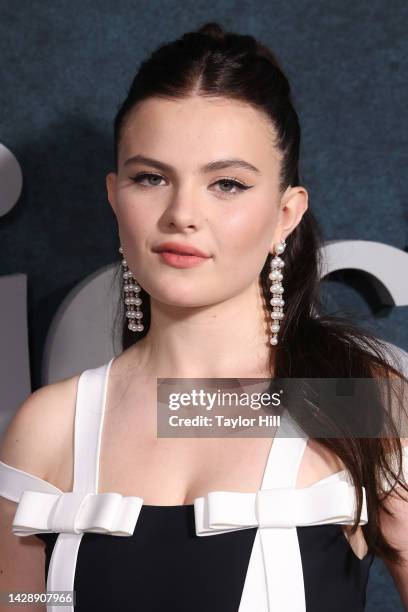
(276, 289)
(131, 290)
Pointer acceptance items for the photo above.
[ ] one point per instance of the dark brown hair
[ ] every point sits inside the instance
(213, 62)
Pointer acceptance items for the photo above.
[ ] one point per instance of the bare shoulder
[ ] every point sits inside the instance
(42, 427)
(33, 442)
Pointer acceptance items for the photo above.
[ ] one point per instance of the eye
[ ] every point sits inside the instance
(234, 183)
(139, 177)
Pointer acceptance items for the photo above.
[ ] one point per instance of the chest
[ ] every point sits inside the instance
(175, 471)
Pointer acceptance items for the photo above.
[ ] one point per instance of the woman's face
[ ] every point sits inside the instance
(188, 203)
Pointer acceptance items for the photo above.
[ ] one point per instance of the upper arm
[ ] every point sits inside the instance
(34, 441)
(22, 559)
(395, 530)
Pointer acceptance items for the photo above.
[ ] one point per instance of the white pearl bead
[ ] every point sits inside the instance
(276, 275)
(277, 314)
(273, 341)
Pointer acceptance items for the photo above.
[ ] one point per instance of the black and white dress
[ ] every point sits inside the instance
(279, 549)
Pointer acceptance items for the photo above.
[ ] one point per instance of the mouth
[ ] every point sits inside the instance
(184, 253)
(179, 248)
(180, 255)
(181, 260)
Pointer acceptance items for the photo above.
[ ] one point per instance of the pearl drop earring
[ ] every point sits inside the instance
(276, 289)
(131, 290)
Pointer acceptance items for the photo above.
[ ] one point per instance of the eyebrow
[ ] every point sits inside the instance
(219, 164)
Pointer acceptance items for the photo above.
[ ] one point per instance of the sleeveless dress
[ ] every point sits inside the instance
(279, 549)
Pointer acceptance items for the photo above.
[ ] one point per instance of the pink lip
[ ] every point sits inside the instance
(178, 260)
(182, 249)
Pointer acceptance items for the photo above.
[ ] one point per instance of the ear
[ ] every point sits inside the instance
(292, 207)
(111, 179)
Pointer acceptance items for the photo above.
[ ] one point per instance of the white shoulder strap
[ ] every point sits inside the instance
(286, 454)
(89, 414)
(277, 550)
(13, 483)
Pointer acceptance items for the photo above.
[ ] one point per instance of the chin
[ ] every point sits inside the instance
(176, 299)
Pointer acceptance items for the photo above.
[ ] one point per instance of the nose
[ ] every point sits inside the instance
(184, 209)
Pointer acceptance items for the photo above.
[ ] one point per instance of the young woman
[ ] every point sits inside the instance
(206, 152)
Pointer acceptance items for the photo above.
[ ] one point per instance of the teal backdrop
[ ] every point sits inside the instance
(66, 66)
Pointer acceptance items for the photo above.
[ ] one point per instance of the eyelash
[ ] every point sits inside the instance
(241, 186)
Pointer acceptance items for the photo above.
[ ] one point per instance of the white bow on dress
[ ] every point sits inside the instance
(332, 502)
(72, 512)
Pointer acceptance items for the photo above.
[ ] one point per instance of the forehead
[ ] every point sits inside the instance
(195, 129)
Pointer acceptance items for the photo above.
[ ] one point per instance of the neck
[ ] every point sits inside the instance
(223, 340)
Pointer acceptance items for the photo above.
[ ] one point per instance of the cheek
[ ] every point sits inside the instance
(247, 229)
(243, 241)
(134, 219)
(135, 226)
